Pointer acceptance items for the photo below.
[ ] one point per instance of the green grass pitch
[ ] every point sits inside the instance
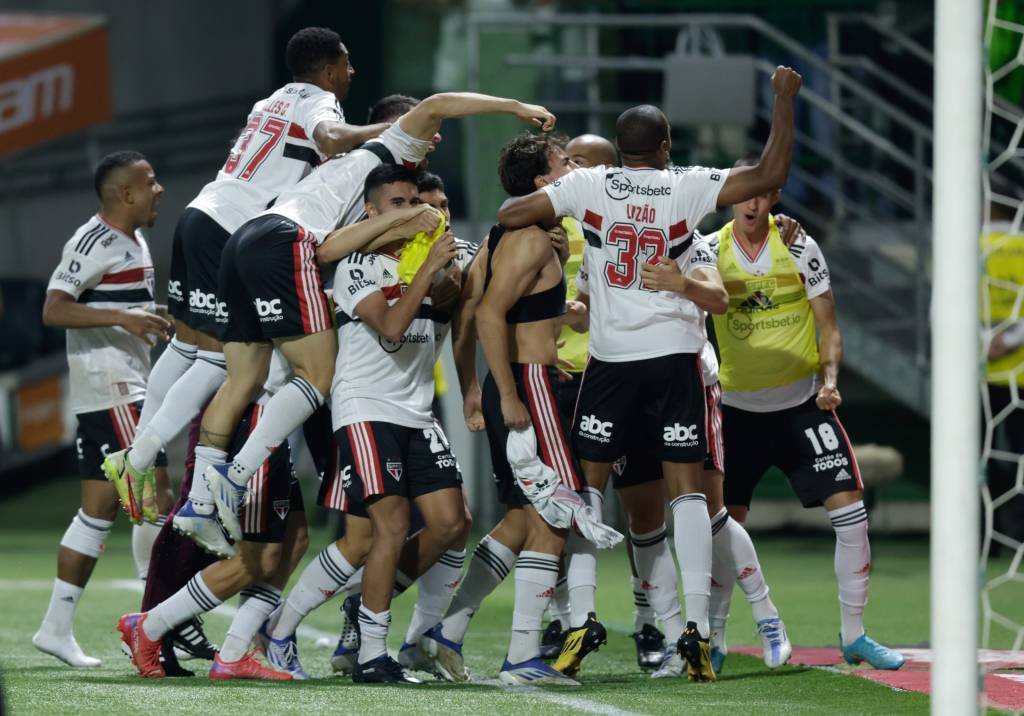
(799, 570)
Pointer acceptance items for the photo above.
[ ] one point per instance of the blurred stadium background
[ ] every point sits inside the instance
(80, 78)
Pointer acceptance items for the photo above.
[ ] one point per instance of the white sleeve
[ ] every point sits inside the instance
(699, 256)
(696, 191)
(465, 252)
(322, 107)
(356, 277)
(811, 263)
(569, 194)
(77, 272)
(405, 148)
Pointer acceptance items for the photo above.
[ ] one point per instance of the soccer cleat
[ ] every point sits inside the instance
(672, 664)
(227, 498)
(283, 655)
(150, 511)
(382, 670)
(775, 642)
(169, 660)
(145, 652)
(578, 643)
(412, 658)
(128, 483)
(65, 648)
(190, 642)
(718, 659)
(697, 652)
(533, 672)
(551, 641)
(248, 667)
(650, 647)
(204, 530)
(867, 649)
(445, 654)
(343, 660)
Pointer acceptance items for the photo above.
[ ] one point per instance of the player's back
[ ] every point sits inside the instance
(630, 216)
(274, 151)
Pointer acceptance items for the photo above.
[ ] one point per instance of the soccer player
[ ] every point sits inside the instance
(274, 526)
(644, 345)
(286, 135)
(271, 282)
(517, 318)
(780, 396)
(102, 293)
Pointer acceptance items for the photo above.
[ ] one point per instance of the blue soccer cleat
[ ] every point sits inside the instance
(869, 650)
(227, 498)
(533, 672)
(203, 529)
(775, 643)
(283, 655)
(718, 659)
(445, 654)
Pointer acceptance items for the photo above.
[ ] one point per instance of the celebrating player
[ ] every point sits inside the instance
(102, 293)
(286, 135)
(645, 345)
(780, 396)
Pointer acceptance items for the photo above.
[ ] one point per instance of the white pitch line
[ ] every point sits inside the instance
(228, 612)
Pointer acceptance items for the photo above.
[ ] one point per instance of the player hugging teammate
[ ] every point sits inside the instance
(260, 343)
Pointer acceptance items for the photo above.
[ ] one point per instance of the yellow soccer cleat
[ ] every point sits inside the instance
(128, 482)
(696, 650)
(578, 643)
(150, 512)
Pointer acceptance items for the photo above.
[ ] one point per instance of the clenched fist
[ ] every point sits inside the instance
(786, 82)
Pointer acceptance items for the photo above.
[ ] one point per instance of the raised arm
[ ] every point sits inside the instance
(338, 137)
(371, 234)
(770, 173)
(423, 120)
(521, 260)
(464, 341)
(521, 211)
(830, 349)
(62, 310)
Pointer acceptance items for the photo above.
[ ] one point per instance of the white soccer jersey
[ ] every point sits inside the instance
(103, 267)
(273, 152)
(630, 216)
(810, 262)
(332, 196)
(374, 378)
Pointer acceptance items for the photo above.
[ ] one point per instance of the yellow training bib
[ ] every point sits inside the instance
(1003, 254)
(576, 348)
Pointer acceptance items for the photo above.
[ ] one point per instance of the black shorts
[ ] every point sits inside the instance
(808, 444)
(377, 458)
(104, 431)
(273, 491)
(535, 386)
(195, 263)
(270, 280)
(658, 402)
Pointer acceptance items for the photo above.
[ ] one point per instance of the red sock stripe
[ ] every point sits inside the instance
(849, 449)
(543, 410)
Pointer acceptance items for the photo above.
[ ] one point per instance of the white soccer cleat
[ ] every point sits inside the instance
(445, 655)
(412, 658)
(775, 642)
(65, 648)
(533, 672)
(227, 498)
(672, 665)
(202, 529)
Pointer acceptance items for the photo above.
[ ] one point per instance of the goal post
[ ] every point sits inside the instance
(955, 411)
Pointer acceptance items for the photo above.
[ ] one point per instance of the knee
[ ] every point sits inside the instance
(449, 529)
(646, 521)
(319, 376)
(269, 559)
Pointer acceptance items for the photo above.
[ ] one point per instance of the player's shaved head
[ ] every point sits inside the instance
(112, 173)
(592, 150)
(640, 130)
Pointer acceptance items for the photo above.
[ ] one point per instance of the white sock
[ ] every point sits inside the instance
(436, 587)
(199, 491)
(285, 411)
(173, 363)
(723, 579)
(143, 537)
(373, 628)
(560, 608)
(536, 574)
(323, 577)
(656, 570)
(853, 566)
(693, 550)
(731, 545)
(491, 563)
(581, 570)
(260, 600)
(60, 615)
(182, 403)
(643, 612)
(189, 601)
(354, 585)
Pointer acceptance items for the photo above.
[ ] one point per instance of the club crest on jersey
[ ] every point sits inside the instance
(619, 466)
(281, 507)
(394, 469)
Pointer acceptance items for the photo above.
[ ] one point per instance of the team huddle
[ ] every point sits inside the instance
(313, 285)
